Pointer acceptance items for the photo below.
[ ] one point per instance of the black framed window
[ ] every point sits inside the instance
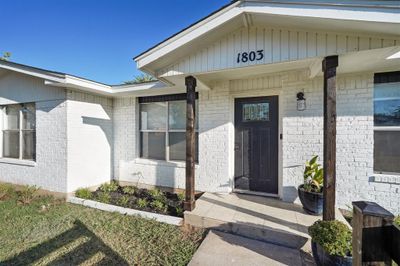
(163, 127)
(387, 122)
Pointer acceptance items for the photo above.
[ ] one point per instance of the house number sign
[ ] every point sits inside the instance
(250, 56)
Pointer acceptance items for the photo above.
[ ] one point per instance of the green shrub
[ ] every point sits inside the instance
(397, 220)
(104, 197)
(130, 190)
(142, 203)
(159, 205)
(123, 201)
(109, 187)
(333, 236)
(27, 194)
(84, 193)
(6, 191)
(156, 193)
(181, 196)
(179, 211)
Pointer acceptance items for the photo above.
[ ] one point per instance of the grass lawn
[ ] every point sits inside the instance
(51, 232)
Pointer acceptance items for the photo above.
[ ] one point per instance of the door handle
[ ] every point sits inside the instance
(237, 147)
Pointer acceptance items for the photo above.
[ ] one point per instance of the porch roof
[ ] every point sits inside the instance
(374, 18)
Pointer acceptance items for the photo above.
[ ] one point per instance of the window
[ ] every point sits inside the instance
(255, 112)
(387, 122)
(18, 134)
(163, 127)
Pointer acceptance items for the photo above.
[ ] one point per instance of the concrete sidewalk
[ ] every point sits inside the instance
(220, 249)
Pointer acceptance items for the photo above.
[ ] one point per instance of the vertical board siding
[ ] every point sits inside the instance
(279, 45)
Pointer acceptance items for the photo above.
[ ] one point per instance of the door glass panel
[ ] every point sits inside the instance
(255, 112)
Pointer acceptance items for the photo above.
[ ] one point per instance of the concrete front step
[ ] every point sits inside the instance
(260, 218)
(253, 231)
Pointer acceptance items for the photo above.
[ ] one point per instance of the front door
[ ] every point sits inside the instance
(256, 144)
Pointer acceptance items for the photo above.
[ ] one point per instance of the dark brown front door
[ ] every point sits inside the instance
(256, 144)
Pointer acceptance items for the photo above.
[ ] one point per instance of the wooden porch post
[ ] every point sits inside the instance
(190, 83)
(329, 67)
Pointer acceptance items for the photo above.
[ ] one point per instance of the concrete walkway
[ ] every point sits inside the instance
(220, 249)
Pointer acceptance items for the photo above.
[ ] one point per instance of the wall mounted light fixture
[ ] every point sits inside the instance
(301, 102)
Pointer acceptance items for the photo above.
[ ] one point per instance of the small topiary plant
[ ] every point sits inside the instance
(123, 201)
(109, 187)
(333, 236)
(84, 193)
(142, 203)
(104, 197)
(27, 194)
(130, 190)
(6, 191)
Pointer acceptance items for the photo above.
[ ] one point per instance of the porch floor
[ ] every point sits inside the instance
(261, 218)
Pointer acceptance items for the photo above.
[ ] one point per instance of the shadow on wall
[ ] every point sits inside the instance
(76, 255)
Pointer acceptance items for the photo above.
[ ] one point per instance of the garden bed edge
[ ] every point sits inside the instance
(126, 211)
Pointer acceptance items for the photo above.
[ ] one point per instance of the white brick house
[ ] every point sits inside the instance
(244, 57)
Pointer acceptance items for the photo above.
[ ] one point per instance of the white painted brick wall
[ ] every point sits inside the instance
(90, 139)
(50, 170)
(302, 138)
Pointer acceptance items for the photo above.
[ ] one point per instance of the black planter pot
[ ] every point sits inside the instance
(312, 202)
(322, 258)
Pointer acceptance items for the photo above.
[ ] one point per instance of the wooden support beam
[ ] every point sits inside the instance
(190, 83)
(329, 65)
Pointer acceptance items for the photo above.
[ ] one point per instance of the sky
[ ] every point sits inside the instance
(94, 39)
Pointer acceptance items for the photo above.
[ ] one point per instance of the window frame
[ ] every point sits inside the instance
(384, 78)
(20, 131)
(164, 99)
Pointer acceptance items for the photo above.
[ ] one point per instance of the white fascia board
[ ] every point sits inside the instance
(93, 87)
(325, 11)
(32, 73)
(132, 88)
(190, 34)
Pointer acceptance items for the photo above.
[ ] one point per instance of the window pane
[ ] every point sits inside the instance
(153, 116)
(177, 115)
(255, 112)
(153, 145)
(11, 118)
(177, 146)
(28, 116)
(387, 151)
(10, 144)
(29, 142)
(387, 104)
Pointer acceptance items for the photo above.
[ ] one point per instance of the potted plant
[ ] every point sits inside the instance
(331, 243)
(310, 192)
